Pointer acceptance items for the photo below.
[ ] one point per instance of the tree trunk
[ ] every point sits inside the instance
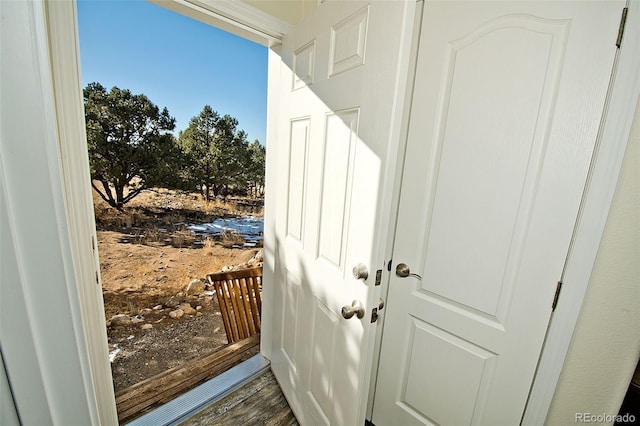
(119, 188)
(207, 171)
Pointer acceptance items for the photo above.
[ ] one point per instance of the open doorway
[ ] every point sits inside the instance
(189, 204)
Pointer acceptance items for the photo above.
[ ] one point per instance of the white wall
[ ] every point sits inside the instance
(606, 343)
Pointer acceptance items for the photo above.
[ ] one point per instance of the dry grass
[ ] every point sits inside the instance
(208, 246)
(137, 276)
(182, 239)
(229, 239)
(170, 208)
(147, 254)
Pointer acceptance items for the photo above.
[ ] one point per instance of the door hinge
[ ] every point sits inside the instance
(623, 22)
(556, 296)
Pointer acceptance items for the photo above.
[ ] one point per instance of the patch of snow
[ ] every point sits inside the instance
(248, 227)
(113, 353)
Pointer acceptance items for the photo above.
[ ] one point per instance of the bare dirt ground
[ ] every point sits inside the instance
(147, 259)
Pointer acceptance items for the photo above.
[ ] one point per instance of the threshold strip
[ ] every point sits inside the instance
(207, 393)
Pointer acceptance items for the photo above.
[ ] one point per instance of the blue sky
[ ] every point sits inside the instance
(175, 61)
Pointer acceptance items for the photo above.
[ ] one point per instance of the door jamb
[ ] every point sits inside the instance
(615, 129)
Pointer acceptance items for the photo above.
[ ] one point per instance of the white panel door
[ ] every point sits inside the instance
(505, 114)
(338, 92)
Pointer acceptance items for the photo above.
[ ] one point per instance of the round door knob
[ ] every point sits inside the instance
(360, 272)
(356, 308)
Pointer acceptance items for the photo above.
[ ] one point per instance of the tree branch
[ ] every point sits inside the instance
(107, 190)
(131, 195)
(109, 200)
(100, 193)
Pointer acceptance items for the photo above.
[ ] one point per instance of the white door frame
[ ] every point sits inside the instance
(61, 37)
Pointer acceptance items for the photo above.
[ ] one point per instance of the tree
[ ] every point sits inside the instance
(130, 144)
(255, 168)
(217, 151)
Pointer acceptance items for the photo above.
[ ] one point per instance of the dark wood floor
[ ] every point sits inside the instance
(259, 402)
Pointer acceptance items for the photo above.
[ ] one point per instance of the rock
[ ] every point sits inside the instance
(157, 308)
(187, 309)
(207, 301)
(257, 259)
(147, 311)
(120, 320)
(173, 302)
(195, 287)
(198, 314)
(178, 313)
(198, 308)
(146, 326)
(137, 320)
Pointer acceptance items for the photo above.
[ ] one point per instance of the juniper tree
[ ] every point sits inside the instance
(130, 144)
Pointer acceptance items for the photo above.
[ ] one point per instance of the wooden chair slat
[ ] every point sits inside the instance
(255, 309)
(242, 284)
(240, 301)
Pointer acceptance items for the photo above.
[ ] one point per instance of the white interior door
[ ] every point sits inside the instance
(338, 93)
(505, 114)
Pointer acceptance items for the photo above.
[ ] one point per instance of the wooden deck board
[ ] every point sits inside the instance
(142, 397)
(259, 402)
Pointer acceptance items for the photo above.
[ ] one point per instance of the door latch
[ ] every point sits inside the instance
(374, 311)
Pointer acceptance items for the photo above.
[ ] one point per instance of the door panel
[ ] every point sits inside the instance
(489, 171)
(338, 89)
(507, 101)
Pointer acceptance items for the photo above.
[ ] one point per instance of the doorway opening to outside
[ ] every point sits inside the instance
(175, 117)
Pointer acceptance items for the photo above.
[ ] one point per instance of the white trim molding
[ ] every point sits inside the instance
(234, 16)
(63, 44)
(624, 92)
(46, 344)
